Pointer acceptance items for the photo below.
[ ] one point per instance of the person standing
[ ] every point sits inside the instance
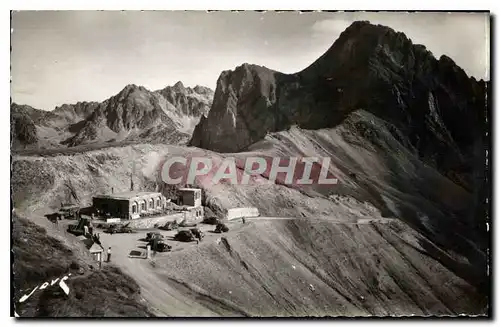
(155, 246)
(109, 254)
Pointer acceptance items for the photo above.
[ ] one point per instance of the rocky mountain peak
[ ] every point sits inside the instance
(203, 90)
(372, 67)
(179, 86)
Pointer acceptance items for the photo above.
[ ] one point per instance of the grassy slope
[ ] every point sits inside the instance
(39, 258)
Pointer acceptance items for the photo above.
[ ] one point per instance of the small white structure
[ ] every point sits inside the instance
(235, 213)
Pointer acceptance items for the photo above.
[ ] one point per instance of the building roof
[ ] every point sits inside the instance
(92, 246)
(96, 248)
(189, 189)
(126, 195)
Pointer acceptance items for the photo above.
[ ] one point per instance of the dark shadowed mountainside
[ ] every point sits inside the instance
(434, 107)
(406, 131)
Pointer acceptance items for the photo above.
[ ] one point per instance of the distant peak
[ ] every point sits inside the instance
(131, 88)
(179, 85)
(202, 89)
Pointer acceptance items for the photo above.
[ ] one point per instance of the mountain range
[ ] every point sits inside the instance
(403, 232)
(429, 104)
(134, 114)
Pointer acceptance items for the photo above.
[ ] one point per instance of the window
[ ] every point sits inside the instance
(134, 208)
(158, 203)
(143, 205)
(151, 204)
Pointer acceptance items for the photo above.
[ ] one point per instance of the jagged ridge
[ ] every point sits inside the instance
(134, 114)
(433, 104)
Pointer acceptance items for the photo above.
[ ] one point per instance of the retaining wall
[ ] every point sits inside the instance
(144, 223)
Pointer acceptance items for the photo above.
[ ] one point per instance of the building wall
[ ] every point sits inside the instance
(191, 198)
(97, 256)
(150, 203)
(194, 215)
(144, 223)
(115, 207)
(124, 208)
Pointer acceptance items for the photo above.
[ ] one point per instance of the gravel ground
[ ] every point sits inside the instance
(297, 267)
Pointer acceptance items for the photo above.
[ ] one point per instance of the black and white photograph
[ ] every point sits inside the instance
(250, 164)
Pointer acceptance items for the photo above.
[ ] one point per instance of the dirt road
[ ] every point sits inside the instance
(169, 299)
(357, 221)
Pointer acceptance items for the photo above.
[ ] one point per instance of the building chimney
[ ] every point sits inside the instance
(112, 190)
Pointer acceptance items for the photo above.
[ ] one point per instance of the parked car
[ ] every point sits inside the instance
(197, 233)
(211, 221)
(112, 229)
(221, 228)
(159, 245)
(171, 225)
(118, 229)
(184, 236)
(153, 235)
(69, 211)
(125, 229)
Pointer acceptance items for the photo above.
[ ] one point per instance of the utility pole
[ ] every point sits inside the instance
(132, 177)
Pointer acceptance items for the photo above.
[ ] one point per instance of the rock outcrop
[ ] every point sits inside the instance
(22, 130)
(76, 112)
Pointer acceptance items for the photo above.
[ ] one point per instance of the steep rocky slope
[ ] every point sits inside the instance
(405, 131)
(410, 190)
(436, 109)
(309, 267)
(25, 122)
(413, 264)
(134, 114)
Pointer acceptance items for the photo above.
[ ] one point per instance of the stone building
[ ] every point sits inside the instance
(190, 197)
(129, 205)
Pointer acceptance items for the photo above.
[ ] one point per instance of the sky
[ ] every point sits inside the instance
(69, 56)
